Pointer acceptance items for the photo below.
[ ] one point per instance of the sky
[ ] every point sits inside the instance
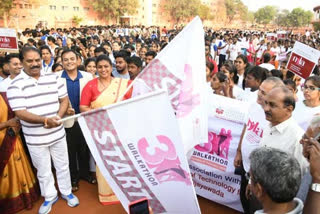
(254, 5)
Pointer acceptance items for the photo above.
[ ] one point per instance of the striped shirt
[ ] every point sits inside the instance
(40, 97)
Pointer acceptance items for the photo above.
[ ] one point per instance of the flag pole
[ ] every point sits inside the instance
(150, 94)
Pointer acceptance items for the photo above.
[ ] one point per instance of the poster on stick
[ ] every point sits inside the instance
(303, 60)
(8, 40)
(138, 148)
(211, 163)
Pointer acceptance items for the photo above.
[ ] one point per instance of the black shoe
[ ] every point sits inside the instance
(90, 179)
(75, 186)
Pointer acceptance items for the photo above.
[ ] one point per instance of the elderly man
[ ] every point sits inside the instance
(283, 132)
(275, 177)
(251, 136)
(40, 100)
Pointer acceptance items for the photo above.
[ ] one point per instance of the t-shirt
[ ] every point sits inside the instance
(115, 73)
(304, 114)
(253, 134)
(41, 97)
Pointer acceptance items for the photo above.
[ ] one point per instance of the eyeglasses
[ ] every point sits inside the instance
(310, 88)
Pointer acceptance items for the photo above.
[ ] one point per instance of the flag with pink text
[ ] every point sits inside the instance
(138, 148)
(180, 69)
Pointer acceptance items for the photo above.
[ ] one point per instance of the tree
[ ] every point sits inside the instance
(299, 17)
(282, 18)
(5, 7)
(250, 17)
(77, 20)
(181, 10)
(113, 9)
(235, 7)
(204, 12)
(316, 26)
(265, 15)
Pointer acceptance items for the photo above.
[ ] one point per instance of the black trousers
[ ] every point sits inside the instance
(251, 205)
(222, 59)
(78, 152)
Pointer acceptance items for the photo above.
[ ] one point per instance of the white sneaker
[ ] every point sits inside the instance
(72, 200)
(45, 207)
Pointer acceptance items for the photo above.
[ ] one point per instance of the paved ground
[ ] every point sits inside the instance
(89, 204)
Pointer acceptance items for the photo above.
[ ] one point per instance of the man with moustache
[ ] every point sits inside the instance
(251, 136)
(40, 101)
(283, 132)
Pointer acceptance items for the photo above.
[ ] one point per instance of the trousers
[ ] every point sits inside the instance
(41, 158)
(79, 154)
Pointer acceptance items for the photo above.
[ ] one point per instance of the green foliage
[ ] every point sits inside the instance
(316, 26)
(299, 17)
(282, 18)
(236, 7)
(265, 14)
(181, 10)
(204, 12)
(115, 8)
(296, 18)
(77, 20)
(5, 6)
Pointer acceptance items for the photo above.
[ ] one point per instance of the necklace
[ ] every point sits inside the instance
(104, 86)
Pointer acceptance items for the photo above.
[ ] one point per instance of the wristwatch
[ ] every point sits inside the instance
(315, 187)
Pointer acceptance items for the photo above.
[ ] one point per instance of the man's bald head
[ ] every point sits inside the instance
(266, 86)
(279, 105)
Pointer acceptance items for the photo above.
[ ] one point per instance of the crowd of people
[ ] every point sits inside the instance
(62, 72)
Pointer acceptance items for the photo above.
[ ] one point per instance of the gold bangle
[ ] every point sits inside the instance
(46, 121)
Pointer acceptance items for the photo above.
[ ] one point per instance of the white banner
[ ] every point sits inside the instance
(137, 147)
(180, 69)
(211, 163)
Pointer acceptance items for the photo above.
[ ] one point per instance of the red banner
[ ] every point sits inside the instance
(300, 65)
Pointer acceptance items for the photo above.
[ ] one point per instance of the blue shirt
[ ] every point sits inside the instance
(73, 88)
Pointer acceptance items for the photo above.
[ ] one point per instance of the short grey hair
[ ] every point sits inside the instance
(276, 81)
(277, 172)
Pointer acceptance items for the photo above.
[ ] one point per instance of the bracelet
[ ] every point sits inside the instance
(46, 121)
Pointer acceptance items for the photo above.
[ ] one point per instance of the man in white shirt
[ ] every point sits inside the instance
(283, 131)
(251, 137)
(14, 65)
(275, 178)
(266, 62)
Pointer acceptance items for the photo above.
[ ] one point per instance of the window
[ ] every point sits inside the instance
(154, 5)
(21, 6)
(75, 8)
(53, 7)
(64, 7)
(86, 9)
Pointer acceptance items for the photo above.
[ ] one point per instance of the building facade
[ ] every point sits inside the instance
(62, 13)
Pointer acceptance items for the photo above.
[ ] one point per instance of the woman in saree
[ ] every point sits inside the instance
(102, 91)
(18, 185)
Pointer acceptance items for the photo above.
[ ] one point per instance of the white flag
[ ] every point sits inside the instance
(137, 147)
(180, 69)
